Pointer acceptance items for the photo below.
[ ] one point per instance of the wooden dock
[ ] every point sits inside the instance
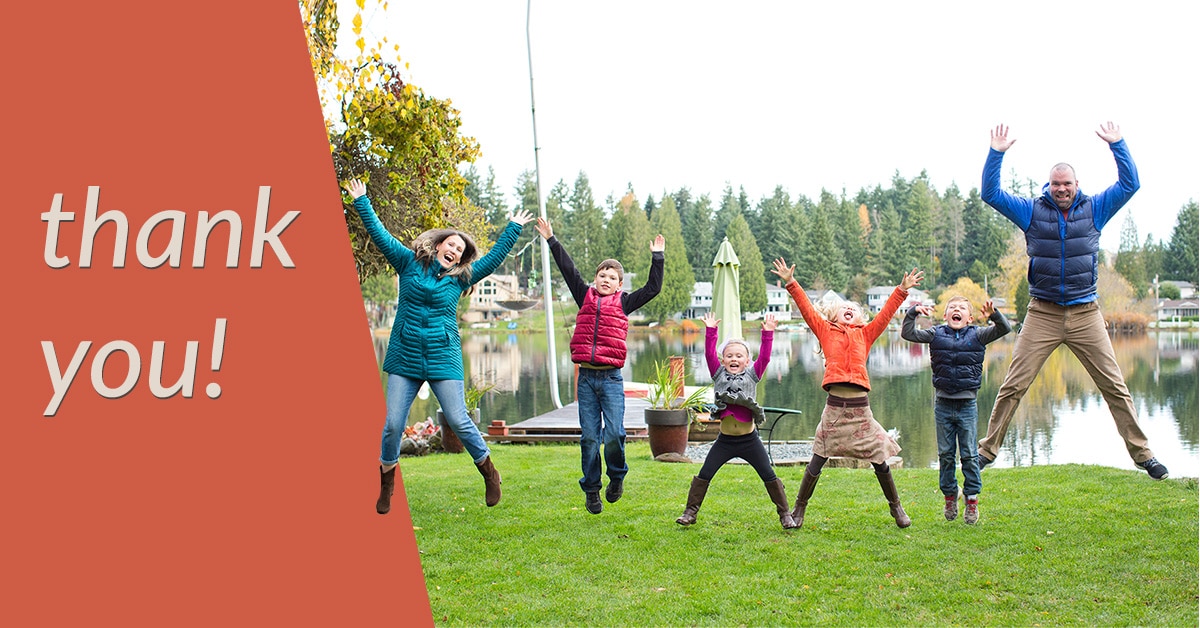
(562, 425)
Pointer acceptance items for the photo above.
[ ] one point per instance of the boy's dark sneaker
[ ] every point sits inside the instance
(616, 488)
(1154, 468)
(984, 461)
(593, 502)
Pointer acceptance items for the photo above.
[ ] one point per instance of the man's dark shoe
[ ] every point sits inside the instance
(984, 461)
(616, 488)
(593, 502)
(1154, 468)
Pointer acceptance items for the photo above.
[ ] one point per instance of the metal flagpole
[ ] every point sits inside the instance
(547, 300)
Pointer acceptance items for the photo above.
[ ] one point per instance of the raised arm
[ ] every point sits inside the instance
(488, 264)
(636, 299)
(787, 274)
(1018, 210)
(873, 329)
(710, 343)
(764, 345)
(999, 327)
(393, 250)
(909, 330)
(1107, 203)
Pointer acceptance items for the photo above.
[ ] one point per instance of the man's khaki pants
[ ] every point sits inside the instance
(1081, 328)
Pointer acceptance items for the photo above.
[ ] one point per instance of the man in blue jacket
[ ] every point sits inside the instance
(1062, 237)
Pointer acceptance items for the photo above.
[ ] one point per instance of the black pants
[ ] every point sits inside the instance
(748, 447)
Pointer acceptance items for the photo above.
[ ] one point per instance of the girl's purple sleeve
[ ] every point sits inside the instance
(764, 352)
(710, 350)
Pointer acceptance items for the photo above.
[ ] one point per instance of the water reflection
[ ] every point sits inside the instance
(1062, 419)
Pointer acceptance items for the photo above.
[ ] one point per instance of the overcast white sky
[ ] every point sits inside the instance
(814, 95)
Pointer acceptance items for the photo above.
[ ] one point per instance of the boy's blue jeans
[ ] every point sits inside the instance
(956, 420)
(401, 391)
(601, 415)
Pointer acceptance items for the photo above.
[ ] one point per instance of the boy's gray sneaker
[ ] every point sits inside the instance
(951, 507)
(593, 502)
(1154, 468)
(971, 514)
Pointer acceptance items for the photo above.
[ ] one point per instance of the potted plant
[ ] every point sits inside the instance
(671, 412)
(472, 395)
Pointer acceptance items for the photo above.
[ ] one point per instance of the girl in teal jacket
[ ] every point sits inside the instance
(425, 346)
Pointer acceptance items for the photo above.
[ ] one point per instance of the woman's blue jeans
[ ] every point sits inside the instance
(401, 391)
(601, 415)
(956, 420)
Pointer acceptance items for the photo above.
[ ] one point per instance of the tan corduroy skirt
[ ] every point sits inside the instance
(848, 429)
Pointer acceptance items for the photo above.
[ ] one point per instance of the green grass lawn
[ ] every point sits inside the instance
(1054, 545)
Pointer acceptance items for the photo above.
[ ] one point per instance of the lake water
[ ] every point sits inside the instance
(1063, 418)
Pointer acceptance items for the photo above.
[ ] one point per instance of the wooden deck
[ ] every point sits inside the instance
(562, 425)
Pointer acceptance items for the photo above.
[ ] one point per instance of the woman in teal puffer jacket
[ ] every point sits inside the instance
(425, 346)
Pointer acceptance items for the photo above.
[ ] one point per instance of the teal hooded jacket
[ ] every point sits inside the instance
(425, 342)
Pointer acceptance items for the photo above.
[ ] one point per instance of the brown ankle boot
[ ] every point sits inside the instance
(491, 481)
(694, 499)
(888, 484)
(779, 497)
(387, 484)
(807, 486)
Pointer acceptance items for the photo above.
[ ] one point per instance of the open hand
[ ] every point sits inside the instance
(925, 310)
(543, 228)
(1000, 141)
(355, 187)
(710, 320)
(1110, 133)
(659, 244)
(769, 322)
(521, 217)
(912, 279)
(988, 308)
(784, 271)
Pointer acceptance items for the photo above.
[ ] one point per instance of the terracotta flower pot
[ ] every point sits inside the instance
(450, 442)
(667, 431)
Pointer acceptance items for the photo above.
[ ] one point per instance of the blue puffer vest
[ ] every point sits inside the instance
(1063, 254)
(957, 359)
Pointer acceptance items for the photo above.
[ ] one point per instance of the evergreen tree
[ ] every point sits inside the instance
(820, 264)
(888, 262)
(729, 209)
(697, 226)
(751, 272)
(583, 226)
(628, 237)
(474, 187)
(781, 229)
(1181, 257)
(1128, 262)
(949, 232)
(985, 238)
(919, 248)
(678, 280)
(1153, 255)
(847, 233)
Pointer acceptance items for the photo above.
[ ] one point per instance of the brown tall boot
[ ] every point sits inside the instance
(694, 499)
(491, 481)
(387, 484)
(807, 486)
(888, 484)
(779, 497)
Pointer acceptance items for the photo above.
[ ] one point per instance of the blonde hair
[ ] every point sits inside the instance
(424, 247)
(731, 341)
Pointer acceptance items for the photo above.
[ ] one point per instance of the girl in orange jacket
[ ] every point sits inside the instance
(847, 426)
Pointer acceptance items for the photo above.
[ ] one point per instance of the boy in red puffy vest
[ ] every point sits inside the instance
(598, 347)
